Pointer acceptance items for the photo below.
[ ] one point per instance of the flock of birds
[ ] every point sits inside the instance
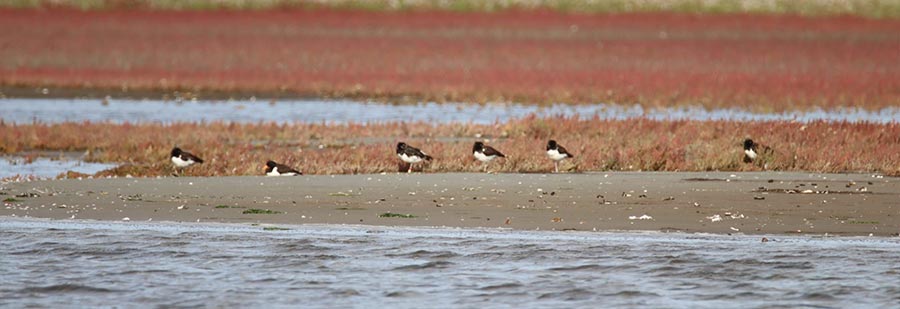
(412, 155)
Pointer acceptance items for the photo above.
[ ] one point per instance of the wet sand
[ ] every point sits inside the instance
(714, 202)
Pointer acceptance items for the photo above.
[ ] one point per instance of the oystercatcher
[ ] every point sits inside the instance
(485, 153)
(557, 153)
(275, 169)
(750, 153)
(183, 159)
(411, 155)
(753, 150)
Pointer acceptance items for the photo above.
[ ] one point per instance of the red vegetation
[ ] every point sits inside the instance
(598, 145)
(759, 62)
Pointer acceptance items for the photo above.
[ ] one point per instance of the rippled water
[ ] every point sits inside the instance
(60, 110)
(60, 263)
(44, 168)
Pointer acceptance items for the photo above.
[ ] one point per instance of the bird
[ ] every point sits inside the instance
(749, 151)
(753, 150)
(485, 153)
(411, 155)
(275, 169)
(557, 153)
(183, 159)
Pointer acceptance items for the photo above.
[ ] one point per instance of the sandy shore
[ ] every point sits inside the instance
(751, 203)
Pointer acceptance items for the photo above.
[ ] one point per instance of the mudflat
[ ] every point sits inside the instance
(708, 202)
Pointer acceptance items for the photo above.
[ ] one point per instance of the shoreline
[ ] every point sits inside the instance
(460, 232)
(100, 93)
(691, 202)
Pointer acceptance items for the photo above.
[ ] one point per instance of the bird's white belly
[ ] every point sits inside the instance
(750, 153)
(275, 172)
(410, 159)
(181, 163)
(483, 158)
(555, 155)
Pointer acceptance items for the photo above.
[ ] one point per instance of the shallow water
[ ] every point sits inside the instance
(61, 263)
(44, 167)
(61, 110)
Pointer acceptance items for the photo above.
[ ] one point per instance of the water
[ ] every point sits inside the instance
(61, 263)
(47, 168)
(61, 110)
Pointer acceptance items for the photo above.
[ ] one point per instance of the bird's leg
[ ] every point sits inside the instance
(410, 169)
(556, 166)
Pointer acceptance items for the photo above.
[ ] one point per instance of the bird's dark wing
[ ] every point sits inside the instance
(562, 150)
(282, 169)
(187, 156)
(490, 151)
(413, 151)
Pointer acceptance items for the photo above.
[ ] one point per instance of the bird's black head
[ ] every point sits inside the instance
(749, 144)
(176, 152)
(270, 163)
(551, 144)
(401, 146)
(479, 146)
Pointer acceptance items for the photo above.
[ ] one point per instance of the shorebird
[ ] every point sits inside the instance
(750, 153)
(753, 150)
(183, 159)
(275, 169)
(411, 155)
(485, 153)
(557, 153)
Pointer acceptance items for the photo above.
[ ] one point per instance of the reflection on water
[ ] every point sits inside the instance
(59, 263)
(61, 110)
(45, 168)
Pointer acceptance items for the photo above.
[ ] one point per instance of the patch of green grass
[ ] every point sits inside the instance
(10, 200)
(275, 228)
(350, 208)
(257, 211)
(393, 215)
(339, 194)
(226, 206)
(862, 222)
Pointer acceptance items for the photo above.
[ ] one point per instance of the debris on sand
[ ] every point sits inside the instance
(862, 190)
(726, 215)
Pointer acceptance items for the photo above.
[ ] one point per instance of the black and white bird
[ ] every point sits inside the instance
(557, 153)
(275, 169)
(485, 153)
(183, 159)
(411, 155)
(754, 151)
(750, 151)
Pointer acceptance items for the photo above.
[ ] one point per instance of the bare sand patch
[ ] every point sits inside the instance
(714, 202)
